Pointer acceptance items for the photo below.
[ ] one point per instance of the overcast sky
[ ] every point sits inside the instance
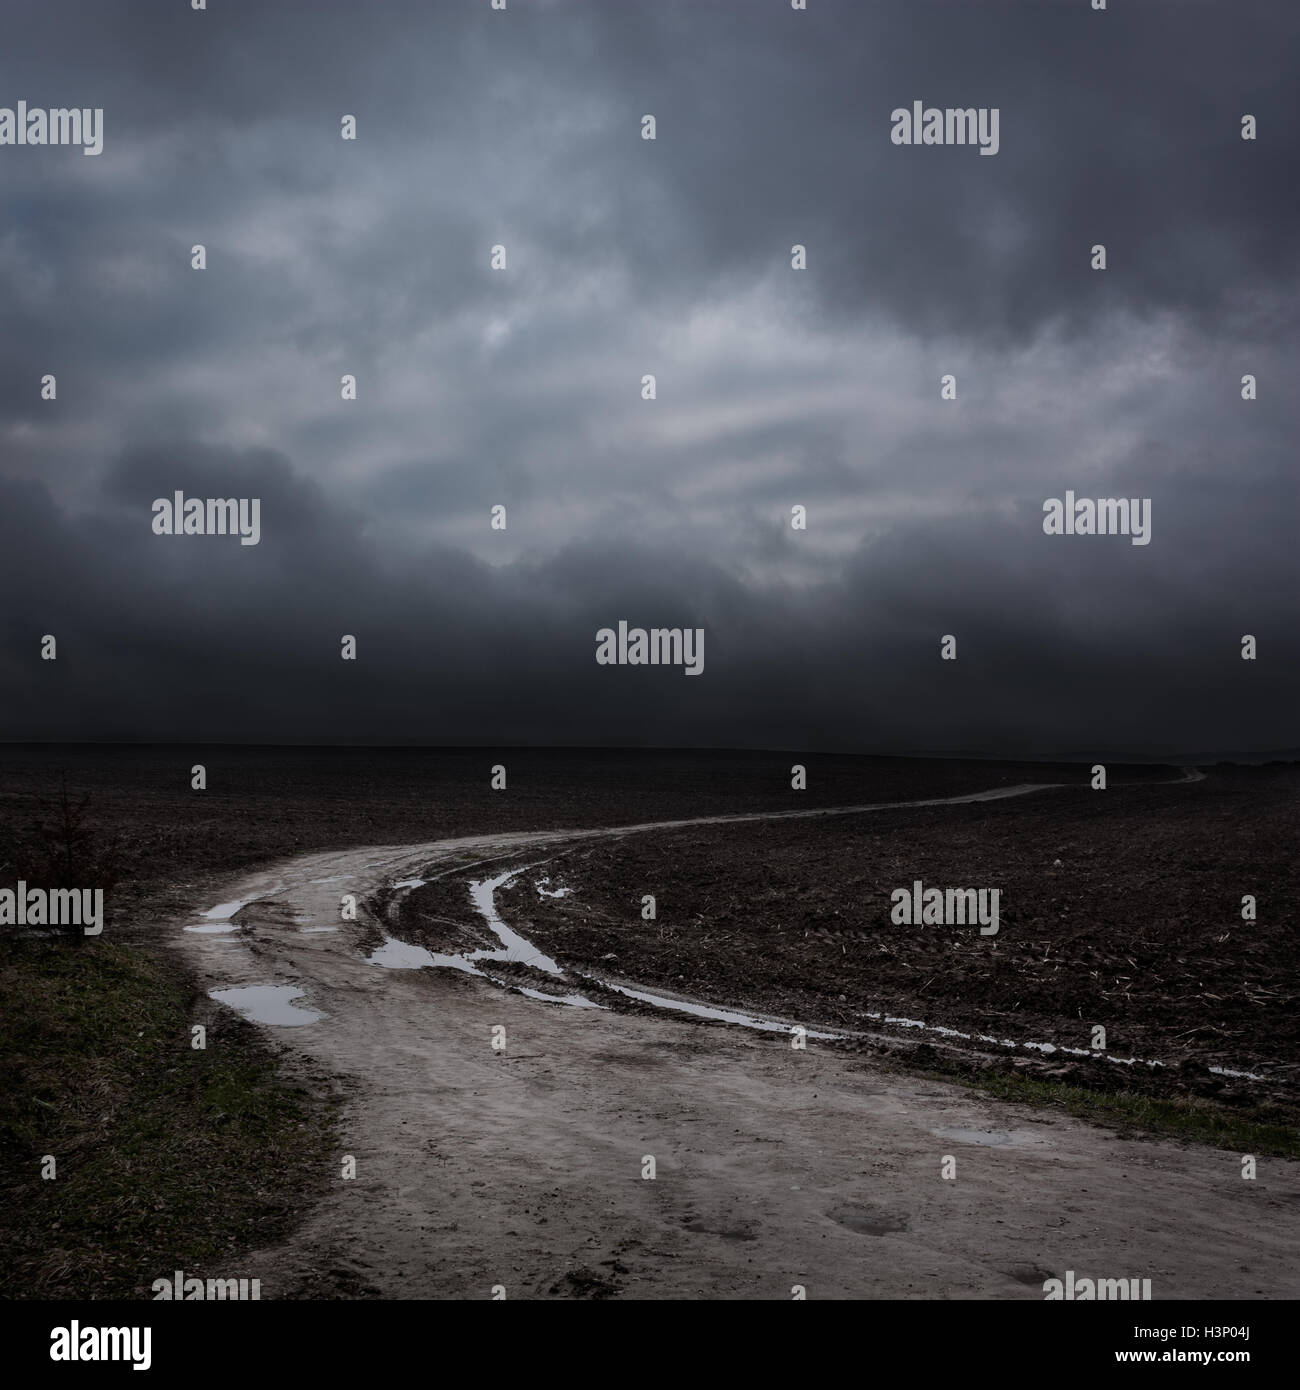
(775, 387)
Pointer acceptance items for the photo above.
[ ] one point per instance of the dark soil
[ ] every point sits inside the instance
(154, 843)
(1138, 929)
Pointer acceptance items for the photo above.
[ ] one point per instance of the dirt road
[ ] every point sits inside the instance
(773, 1167)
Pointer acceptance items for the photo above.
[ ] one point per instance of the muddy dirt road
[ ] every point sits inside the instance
(774, 1167)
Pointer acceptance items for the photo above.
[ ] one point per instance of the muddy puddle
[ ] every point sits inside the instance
(267, 1004)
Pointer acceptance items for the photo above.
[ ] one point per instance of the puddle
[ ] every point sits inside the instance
(575, 1001)
(410, 883)
(267, 1004)
(311, 931)
(224, 910)
(516, 948)
(1047, 1049)
(544, 892)
(401, 955)
(765, 1025)
(225, 928)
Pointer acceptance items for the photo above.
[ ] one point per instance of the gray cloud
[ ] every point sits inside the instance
(522, 387)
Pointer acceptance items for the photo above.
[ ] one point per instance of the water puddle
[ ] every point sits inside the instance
(313, 931)
(544, 892)
(225, 928)
(401, 955)
(267, 1004)
(1047, 1049)
(225, 909)
(410, 883)
(765, 1025)
(575, 1001)
(516, 948)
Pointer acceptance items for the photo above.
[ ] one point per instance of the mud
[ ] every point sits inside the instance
(774, 1166)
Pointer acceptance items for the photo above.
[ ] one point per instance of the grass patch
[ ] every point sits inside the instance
(1264, 1129)
(168, 1157)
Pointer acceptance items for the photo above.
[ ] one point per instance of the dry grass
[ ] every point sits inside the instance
(168, 1157)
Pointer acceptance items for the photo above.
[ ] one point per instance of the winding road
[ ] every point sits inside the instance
(522, 1171)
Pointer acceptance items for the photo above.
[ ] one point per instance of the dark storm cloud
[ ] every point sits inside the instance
(1121, 128)
(671, 257)
(199, 637)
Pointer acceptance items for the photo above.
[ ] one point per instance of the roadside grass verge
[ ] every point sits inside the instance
(167, 1156)
(1266, 1129)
